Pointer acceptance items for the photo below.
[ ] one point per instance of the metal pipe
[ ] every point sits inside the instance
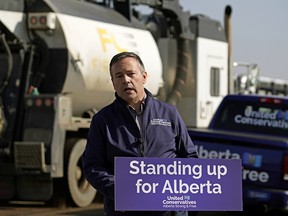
(228, 31)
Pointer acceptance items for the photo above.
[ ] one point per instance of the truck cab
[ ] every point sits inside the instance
(253, 128)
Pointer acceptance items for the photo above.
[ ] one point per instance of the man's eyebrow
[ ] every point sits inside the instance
(119, 72)
(124, 72)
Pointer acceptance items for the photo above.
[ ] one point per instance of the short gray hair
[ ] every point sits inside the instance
(123, 55)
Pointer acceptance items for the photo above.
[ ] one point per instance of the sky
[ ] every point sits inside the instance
(259, 31)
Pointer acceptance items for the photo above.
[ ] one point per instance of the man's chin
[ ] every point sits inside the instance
(128, 97)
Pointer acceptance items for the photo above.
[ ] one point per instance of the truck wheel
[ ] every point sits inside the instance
(81, 192)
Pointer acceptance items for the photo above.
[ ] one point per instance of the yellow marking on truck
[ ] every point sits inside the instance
(107, 38)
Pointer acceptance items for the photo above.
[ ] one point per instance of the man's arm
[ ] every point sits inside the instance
(94, 162)
(185, 146)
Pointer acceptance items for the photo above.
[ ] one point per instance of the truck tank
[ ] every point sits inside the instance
(75, 42)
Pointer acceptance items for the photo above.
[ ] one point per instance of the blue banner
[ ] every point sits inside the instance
(185, 184)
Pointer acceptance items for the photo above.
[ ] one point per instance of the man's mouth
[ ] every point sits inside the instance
(129, 89)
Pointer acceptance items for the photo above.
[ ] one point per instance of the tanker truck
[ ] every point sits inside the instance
(54, 77)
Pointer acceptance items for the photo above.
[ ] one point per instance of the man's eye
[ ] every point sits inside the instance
(118, 76)
(131, 74)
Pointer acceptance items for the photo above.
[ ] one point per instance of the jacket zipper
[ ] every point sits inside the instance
(143, 146)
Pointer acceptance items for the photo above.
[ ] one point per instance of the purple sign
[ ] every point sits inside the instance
(144, 184)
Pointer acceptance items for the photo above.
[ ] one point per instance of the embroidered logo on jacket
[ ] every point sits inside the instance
(162, 122)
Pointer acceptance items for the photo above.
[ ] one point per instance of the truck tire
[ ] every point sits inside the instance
(81, 192)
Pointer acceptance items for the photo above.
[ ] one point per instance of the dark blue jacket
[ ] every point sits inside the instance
(114, 132)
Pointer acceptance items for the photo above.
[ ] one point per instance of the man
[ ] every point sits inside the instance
(134, 125)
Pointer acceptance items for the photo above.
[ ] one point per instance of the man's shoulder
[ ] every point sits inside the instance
(165, 105)
(107, 110)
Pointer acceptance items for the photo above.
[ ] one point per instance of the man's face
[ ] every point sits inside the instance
(128, 80)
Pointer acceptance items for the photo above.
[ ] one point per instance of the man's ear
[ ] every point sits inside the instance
(145, 77)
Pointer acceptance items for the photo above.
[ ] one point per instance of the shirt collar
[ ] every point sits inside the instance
(142, 106)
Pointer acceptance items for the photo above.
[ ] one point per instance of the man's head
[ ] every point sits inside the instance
(128, 76)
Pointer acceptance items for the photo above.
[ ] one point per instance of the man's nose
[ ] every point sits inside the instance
(126, 78)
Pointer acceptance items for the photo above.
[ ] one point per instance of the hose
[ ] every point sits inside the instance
(181, 73)
(10, 63)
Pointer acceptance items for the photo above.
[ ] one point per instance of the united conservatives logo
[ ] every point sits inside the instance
(179, 202)
(162, 122)
(276, 119)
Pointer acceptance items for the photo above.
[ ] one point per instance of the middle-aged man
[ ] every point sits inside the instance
(135, 124)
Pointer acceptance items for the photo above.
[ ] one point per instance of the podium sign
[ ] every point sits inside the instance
(185, 184)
